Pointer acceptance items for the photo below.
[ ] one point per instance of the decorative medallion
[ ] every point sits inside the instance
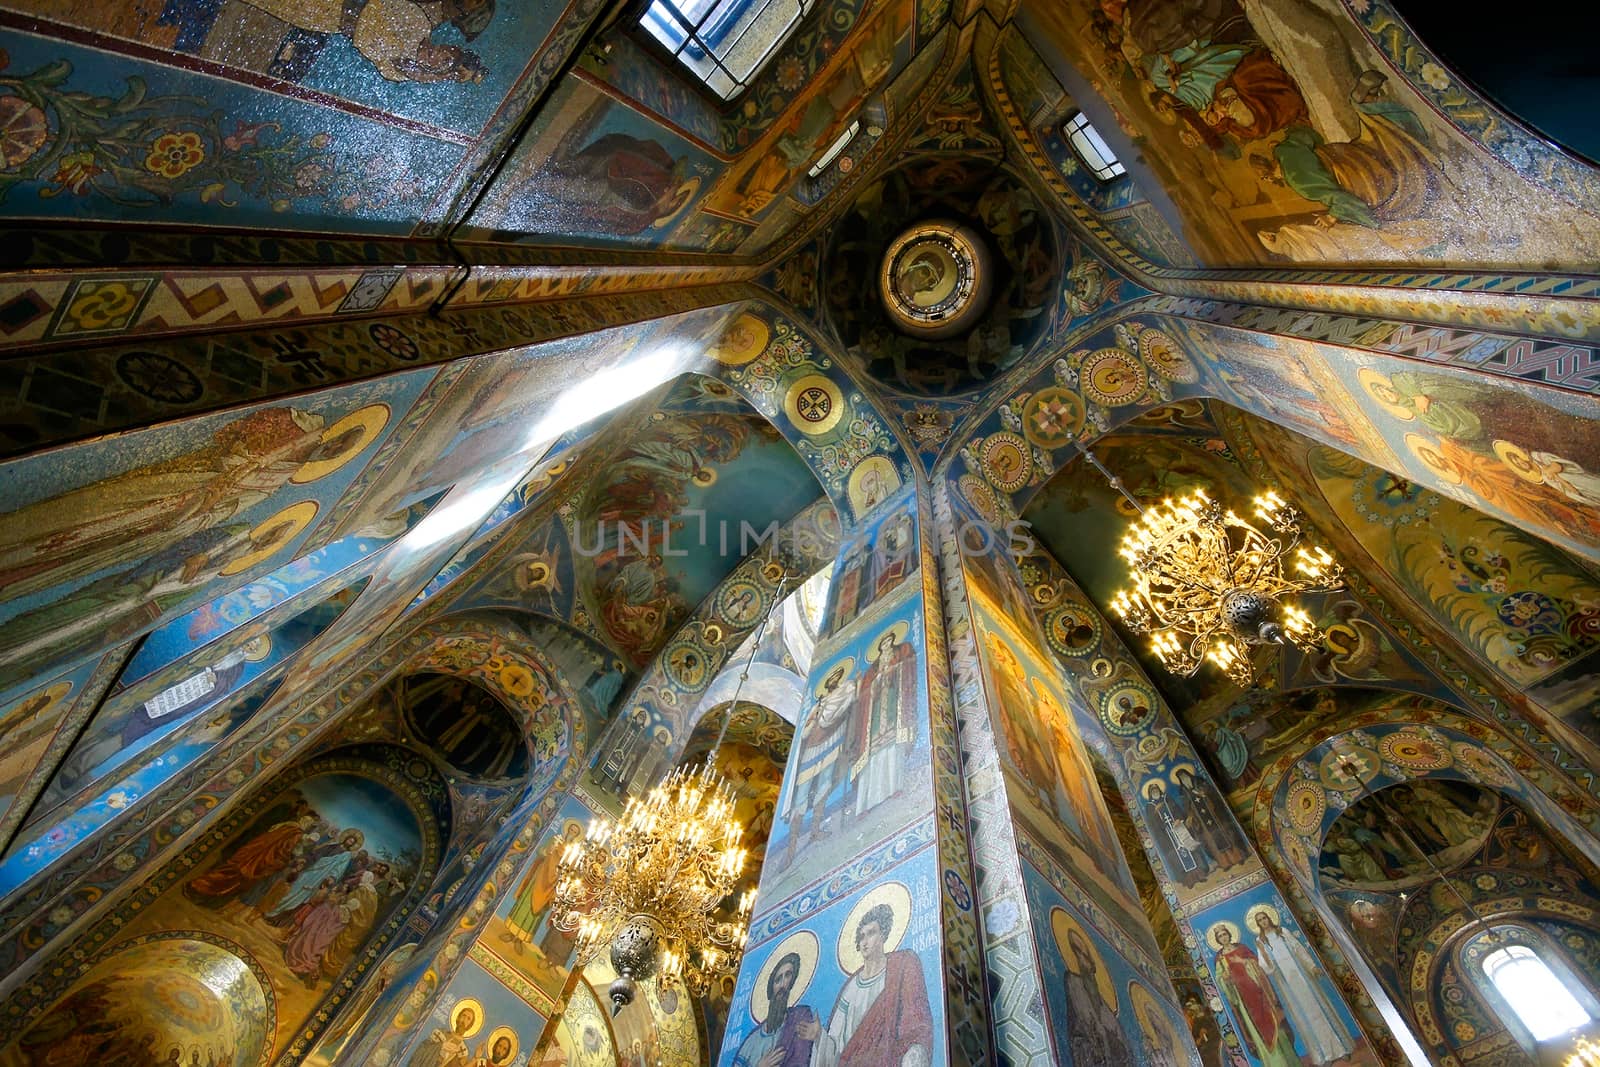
(980, 496)
(1007, 461)
(687, 666)
(740, 602)
(1051, 417)
(158, 377)
(935, 279)
(1112, 377)
(814, 404)
(1126, 710)
(1350, 768)
(745, 338)
(1391, 501)
(1162, 354)
(1307, 802)
(1415, 751)
(1072, 629)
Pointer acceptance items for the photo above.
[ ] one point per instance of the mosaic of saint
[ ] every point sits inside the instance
(862, 999)
(465, 725)
(1402, 836)
(1278, 993)
(662, 525)
(1281, 133)
(1051, 781)
(860, 758)
(303, 885)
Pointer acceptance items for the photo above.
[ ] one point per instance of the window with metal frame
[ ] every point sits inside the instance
(724, 42)
(840, 143)
(1537, 994)
(1092, 148)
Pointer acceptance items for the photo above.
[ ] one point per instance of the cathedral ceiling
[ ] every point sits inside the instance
(1472, 582)
(1307, 132)
(340, 472)
(262, 116)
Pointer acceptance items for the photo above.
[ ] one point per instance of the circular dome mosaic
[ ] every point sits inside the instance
(941, 275)
(935, 279)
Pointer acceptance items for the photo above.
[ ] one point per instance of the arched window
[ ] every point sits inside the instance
(1541, 1000)
(1525, 978)
(725, 42)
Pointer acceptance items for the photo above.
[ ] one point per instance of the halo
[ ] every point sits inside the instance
(368, 420)
(855, 484)
(1211, 934)
(533, 572)
(1416, 442)
(270, 535)
(496, 1034)
(894, 894)
(52, 696)
(477, 1014)
(1516, 457)
(684, 195)
(1062, 924)
(802, 943)
(1262, 909)
(1144, 790)
(899, 630)
(730, 352)
(1148, 1014)
(849, 665)
(1173, 776)
(1370, 378)
(257, 648)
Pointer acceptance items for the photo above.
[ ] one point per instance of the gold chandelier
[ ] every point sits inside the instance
(651, 885)
(654, 884)
(1207, 582)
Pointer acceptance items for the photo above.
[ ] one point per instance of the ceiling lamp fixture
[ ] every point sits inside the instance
(653, 885)
(1207, 582)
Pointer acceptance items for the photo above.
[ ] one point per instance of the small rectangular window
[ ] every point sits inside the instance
(840, 143)
(1092, 148)
(725, 42)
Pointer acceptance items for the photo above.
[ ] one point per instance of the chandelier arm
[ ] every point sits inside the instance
(1223, 549)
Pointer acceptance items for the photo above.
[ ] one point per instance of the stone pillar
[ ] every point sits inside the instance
(1271, 993)
(1074, 968)
(863, 926)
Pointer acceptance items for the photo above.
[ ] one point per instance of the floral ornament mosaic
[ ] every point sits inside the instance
(1141, 367)
(143, 150)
